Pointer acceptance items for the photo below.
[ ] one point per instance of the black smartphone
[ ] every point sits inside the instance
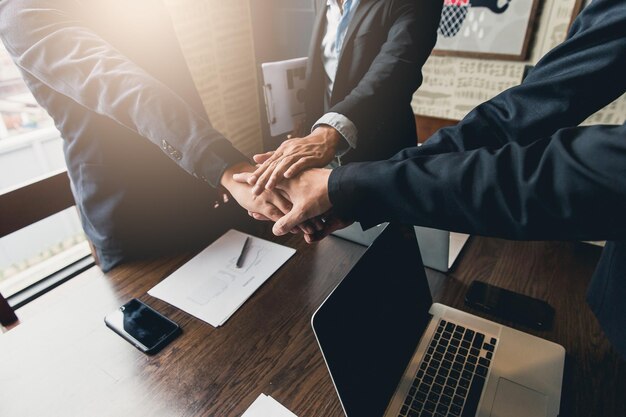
(142, 326)
(510, 305)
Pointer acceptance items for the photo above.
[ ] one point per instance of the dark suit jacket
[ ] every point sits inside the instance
(518, 167)
(379, 69)
(112, 75)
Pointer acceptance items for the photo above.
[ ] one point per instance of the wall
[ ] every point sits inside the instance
(217, 40)
(282, 30)
(453, 86)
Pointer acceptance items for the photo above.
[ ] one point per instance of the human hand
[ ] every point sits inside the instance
(313, 229)
(293, 156)
(308, 193)
(269, 204)
(331, 223)
(312, 212)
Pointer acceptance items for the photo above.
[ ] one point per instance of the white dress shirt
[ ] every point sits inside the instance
(337, 23)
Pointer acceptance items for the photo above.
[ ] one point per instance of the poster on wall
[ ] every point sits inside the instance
(494, 29)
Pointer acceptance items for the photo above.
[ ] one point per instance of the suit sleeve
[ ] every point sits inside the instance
(568, 186)
(575, 79)
(395, 73)
(513, 168)
(48, 40)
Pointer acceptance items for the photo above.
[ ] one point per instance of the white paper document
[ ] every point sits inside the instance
(211, 287)
(283, 86)
(266, 406)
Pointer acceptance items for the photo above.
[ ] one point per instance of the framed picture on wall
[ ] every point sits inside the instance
(494, 29)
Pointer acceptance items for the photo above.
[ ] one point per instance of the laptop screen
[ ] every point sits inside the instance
(371, 324)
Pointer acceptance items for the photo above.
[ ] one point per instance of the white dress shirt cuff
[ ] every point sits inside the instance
(344, 126)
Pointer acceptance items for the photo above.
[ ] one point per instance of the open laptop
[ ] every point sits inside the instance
(392, 352)
(440, 248)
(355, 233)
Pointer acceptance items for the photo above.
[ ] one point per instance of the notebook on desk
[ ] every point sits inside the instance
(392, 352)
(216, 282)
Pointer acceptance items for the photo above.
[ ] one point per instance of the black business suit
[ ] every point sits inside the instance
(518, 167)
(379, 69)
(141, 153)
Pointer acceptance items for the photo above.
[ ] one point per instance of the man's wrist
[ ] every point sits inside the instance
(227, 181)
(331, 135)
(344, 126)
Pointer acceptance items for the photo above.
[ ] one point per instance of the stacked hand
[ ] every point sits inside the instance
(293, 156)
(270, 205)
(308, 195)
(293, 186)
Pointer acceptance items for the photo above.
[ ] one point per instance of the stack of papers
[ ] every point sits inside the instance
(211, 287)
(266, 406)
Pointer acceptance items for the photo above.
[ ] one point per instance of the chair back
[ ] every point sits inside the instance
(27, 204)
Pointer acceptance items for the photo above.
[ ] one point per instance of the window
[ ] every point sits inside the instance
(31, 147)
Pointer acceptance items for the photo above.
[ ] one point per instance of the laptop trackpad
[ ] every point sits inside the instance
(515, 400)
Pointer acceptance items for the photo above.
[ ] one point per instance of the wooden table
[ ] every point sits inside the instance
(63, 361)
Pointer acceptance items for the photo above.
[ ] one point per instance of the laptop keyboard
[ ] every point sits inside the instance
(452, 374)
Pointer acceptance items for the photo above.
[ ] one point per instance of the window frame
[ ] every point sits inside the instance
(55, 190)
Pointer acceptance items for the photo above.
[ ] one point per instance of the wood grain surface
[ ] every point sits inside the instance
(63, 361)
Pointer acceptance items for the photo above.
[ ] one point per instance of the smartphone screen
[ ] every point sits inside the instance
(142, 326)
(510, 305)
